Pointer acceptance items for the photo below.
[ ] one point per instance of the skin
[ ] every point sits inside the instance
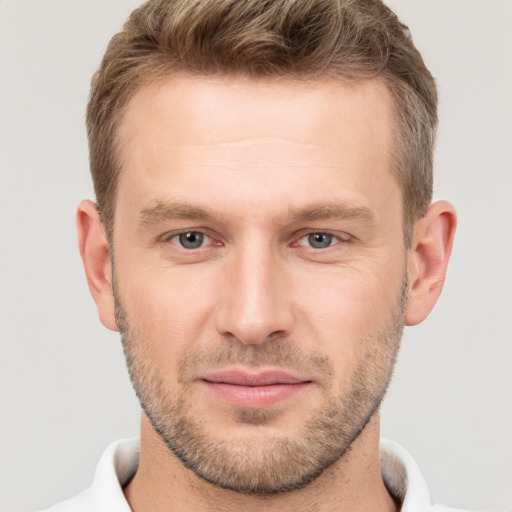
(265, 161)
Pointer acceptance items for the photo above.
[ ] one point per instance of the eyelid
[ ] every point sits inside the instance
(340, 236)
(335, 241)
(169, 236)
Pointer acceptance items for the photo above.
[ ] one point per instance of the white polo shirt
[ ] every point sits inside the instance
(120, 460)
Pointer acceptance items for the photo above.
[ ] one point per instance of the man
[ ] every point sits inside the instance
(263, 231)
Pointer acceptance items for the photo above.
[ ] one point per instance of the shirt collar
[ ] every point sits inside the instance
(120, 460)
(403, 478)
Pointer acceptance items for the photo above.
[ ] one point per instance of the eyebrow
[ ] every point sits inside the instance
(165, 211)
(331, 211)
(171, 211)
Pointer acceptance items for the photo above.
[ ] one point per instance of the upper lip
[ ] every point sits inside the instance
(241, 377)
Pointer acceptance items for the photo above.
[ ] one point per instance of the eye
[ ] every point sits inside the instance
(319, 240)
(190, 239)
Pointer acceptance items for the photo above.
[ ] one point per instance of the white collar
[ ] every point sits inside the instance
(120, 460)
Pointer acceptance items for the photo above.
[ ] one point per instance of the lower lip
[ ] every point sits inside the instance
(255, 397)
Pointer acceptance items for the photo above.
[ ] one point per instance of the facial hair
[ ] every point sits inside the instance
(278, 463)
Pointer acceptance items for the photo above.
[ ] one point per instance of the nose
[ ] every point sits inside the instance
(256, 304)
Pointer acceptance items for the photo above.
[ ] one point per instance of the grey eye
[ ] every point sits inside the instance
(319, 240)
(191, 240)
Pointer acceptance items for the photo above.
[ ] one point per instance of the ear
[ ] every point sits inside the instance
(95, 253)
(428, 259)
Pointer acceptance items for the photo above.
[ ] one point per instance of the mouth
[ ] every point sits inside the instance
(253, 390)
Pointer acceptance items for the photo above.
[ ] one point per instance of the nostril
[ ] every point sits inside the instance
(276, 334)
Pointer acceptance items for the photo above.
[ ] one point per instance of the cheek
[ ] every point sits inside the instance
(342, 308)
(349, 298)
(167, 307)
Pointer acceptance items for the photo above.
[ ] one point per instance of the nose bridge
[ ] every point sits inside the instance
(254, 306)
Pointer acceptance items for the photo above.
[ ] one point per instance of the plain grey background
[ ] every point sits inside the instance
(64, 390)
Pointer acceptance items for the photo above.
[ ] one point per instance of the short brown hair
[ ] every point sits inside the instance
(307, 39)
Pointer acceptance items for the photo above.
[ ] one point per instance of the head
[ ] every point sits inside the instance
(263, 174)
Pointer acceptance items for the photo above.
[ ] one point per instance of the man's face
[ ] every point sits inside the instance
(259, 271)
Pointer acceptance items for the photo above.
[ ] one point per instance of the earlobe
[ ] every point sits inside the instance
(95, 253)
(428, 260)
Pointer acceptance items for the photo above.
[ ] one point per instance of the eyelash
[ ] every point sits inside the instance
(169, 238)
(335, 239)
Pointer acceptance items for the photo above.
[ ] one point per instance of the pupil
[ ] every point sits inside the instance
(320, 240)
(191, 240)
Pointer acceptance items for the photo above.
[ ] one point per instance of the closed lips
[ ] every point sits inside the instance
(239, 378)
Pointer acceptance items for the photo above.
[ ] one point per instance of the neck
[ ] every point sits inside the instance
(354, 482)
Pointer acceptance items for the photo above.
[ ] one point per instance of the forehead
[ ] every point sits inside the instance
(204, 110)
(302, 138)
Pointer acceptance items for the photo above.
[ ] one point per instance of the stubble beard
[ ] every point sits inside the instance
(254, 464)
